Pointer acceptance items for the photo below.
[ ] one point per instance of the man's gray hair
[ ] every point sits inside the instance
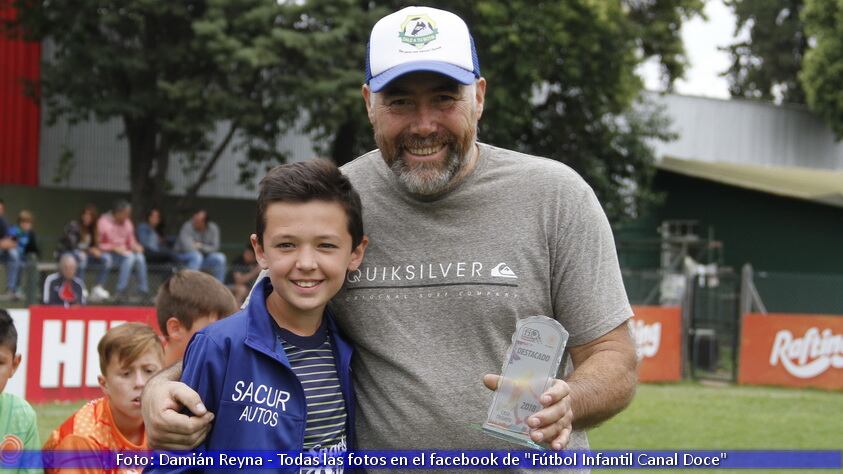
(120, 204)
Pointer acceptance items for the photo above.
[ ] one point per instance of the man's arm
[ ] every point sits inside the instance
(601, 385)
(162, 399)
(604, 378)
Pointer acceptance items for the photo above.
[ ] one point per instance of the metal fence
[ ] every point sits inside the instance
(712, 303)
(34, 273)
(784, 292)
(714, 300)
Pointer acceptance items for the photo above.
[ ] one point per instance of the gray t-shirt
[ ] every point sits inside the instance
(434, 304)
(209, 238)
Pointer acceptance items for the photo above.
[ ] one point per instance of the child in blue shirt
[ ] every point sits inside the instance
(276, 374)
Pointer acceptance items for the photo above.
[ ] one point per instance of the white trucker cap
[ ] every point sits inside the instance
(420, 39)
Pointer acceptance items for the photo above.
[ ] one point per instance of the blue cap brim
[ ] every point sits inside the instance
(454, 72)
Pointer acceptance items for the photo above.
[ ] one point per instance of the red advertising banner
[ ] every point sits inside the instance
(658, 340)
(794, 350)
(63, 362)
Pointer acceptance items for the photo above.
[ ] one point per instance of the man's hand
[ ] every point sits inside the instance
(552, 424)
(137, 248)
(166, 428)
(95, 252)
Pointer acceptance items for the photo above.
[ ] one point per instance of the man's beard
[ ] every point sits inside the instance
(426, 178)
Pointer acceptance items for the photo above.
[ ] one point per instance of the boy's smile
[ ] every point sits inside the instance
(307, 249)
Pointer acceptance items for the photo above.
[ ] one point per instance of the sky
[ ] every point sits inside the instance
(702, 38)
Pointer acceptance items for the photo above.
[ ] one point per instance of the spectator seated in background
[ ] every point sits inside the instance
(64, 287)
(27, 245)
(187, 302)
(24, 234)
(244, 272)
(80, 240)
(10, 256)
(199, 243)
(116, 240)
(129, 355)
(151, 237)
(18, 427)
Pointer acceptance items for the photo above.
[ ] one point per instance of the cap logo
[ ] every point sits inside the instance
(418, 31)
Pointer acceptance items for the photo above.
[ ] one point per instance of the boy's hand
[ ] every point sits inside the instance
(552, 424)
(7, 243)
(166, 428)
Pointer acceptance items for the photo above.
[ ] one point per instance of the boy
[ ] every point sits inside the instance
(276, 374)
(18, 429)
(187, 302)
(23, 236)
(64, 287)
(129, 355)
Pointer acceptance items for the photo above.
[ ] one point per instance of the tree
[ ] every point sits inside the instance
(822, 70)
(561, 75)
(173, 72)
(766, 65)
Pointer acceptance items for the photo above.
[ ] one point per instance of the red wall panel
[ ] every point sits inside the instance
(19, 115)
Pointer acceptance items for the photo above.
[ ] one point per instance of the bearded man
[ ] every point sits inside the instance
(465, 240)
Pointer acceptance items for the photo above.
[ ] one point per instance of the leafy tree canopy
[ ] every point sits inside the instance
(766, 65)
(822, 70)
(561, 79)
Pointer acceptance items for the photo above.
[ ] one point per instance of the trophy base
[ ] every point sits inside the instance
(511, 436)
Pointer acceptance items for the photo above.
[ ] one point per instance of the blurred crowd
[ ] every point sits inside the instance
(129, 355)
(111, 242)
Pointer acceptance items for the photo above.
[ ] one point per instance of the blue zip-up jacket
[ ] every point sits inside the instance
(243, 376)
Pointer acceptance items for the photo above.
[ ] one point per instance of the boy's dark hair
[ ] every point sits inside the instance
(312, 180)
(8, 333)
(188, 295)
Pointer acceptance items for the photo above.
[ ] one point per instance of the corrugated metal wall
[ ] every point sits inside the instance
(749, 132)
(101, 160)
(19, 122)
(733, 131)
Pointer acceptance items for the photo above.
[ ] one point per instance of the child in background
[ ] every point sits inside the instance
(18, 428)
(187, 302)
(276, 374)
(129, 355)
(25, 234)
(244, 272)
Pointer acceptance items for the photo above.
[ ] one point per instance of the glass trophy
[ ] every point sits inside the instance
(529, 369)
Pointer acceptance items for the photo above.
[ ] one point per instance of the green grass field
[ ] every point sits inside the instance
(688, 416)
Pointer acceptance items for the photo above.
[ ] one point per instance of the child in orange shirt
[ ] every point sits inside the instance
(129, 355)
